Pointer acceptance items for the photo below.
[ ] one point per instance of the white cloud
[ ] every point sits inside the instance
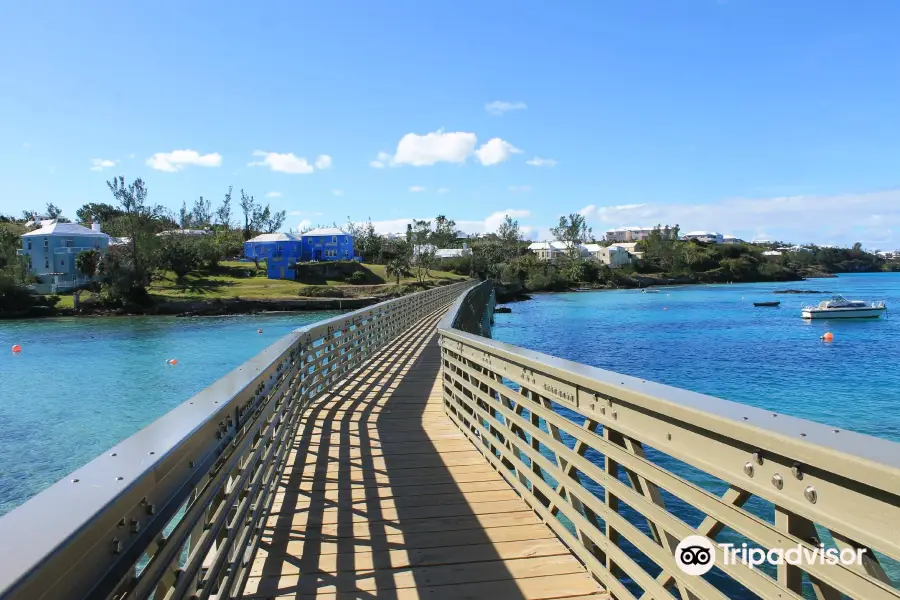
(494, 220)
(98, 164)
(495, 151)
(273, 195)
(499, 107)
(432, 148)
(337, 192)
(872, 218)
(282, 163)
(417, 188)
(384, 159)
(323, 161)
(305, 213)
(519, 189)
(178, 159)
(303, 224)
(541, 162)
(443, 190)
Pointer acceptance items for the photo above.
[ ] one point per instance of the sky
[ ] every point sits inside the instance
(756, 118)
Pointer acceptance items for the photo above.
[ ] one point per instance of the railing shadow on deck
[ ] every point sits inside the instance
(367, 526)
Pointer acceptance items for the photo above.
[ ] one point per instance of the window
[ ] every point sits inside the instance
(69, 243)
(62, 263)
(46, 243)
(29, 244)
(334, 239)
(46, 263)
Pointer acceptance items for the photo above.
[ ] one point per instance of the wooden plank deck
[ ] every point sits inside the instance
(383, 497)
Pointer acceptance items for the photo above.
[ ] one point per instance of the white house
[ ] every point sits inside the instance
(613, 256)
(730, 239)
(710, 237)
(772, 253)
(448, 253)
(631, 248)
(548, 250)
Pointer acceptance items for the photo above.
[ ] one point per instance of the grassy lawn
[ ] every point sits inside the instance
(240, 280)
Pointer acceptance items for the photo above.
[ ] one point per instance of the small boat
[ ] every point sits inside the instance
(775, 303)
(839, 307)
(583, 289)
(649, 291)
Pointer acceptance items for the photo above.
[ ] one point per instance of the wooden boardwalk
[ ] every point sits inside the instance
(383, 497)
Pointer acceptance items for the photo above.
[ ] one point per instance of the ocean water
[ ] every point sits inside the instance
(81, 385)
(711, 339)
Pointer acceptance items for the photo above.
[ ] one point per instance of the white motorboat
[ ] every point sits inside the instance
(839, 307)
(649, 291)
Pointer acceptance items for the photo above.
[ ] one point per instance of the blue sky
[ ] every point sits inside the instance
(752, 117)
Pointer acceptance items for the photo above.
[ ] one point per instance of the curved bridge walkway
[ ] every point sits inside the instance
(384, 497)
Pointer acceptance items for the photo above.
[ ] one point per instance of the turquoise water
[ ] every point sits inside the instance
(711, 339)
(81, 385)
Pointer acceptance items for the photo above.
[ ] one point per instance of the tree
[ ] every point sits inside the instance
(97, 212)
(366, 242)
(181, 255)
(396, 254)
(53, 211)
(88, 262)
(445, 233)
(223, 213)
(572, 231)
(273, 223)
(140, 222)
(509, 234)
(184, 216)
(249, 208)
(201, 214)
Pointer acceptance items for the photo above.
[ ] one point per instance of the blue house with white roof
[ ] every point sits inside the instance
(281, 251)
(327, 243)
(52, 250)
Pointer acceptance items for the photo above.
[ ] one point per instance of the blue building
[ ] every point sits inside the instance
(282, 251)
(52, 250)
(327, 243)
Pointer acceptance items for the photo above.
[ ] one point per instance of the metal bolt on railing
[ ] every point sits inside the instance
(777, 481)
(748, 469)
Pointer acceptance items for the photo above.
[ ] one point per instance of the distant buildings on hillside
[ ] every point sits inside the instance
(283, 250)
(635, 234)
(52, 250)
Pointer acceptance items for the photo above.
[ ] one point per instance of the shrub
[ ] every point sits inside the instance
(321, 291)
(357, 278)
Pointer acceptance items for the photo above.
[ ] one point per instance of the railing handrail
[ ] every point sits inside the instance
(813, 486)
(190, 435)
(863, 458)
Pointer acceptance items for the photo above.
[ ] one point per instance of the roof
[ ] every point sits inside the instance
(630, 229)
(275, 237)
(701, 233)
(451, 252)
(184, 232)
(324, 231)
(64, 229)
(628, 246)
(547, 246)
(592, 247)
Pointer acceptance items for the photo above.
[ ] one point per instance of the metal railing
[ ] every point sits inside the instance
(177, 509)
(623, 470)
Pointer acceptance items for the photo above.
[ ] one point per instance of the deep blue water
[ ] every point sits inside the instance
(81, 385)
(711, 339)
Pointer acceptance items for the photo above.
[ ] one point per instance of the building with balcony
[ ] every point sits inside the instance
(52, 250)
(709, 237)
(327, 243)
(613, 256)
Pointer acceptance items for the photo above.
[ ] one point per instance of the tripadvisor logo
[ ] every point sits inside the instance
(696, 555)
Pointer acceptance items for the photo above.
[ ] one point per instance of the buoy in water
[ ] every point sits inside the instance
(828, 336)
(172, 361)
(665, 309)
(259, 331)
(16, 348)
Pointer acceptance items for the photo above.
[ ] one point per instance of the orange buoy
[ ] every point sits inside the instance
(172, 361)
(828, 336)
(665, 309)
(16, 348)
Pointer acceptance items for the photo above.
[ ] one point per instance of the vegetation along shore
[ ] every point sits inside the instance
(157, 266)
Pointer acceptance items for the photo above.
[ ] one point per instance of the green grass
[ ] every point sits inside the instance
(231, 281)
(239, 280)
